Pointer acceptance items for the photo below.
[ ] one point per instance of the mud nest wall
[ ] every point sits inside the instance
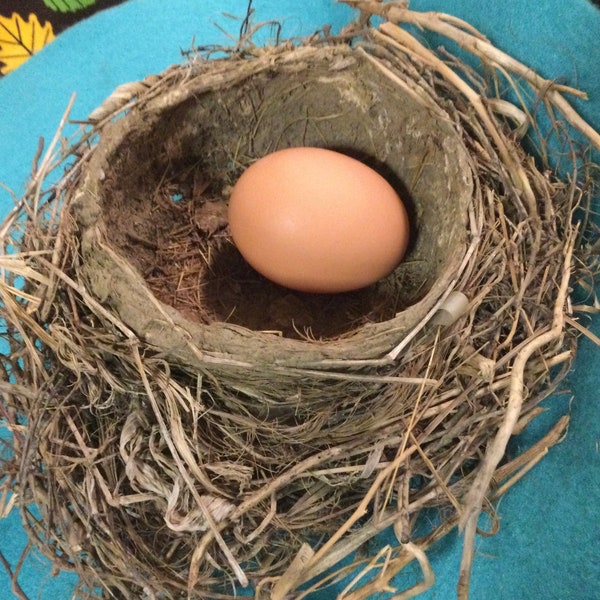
(173, 453)
(162, 178)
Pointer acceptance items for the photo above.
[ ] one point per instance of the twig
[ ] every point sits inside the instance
(497, 448)
(477, 44)
(16, 589)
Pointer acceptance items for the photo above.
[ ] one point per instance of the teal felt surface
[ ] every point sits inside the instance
(549, 543)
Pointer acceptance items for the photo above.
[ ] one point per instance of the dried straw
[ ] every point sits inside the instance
(160, 473)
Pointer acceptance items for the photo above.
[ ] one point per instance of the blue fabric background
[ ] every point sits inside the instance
(549, 544)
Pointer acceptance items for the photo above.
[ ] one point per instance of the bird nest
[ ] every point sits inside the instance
(186, 428)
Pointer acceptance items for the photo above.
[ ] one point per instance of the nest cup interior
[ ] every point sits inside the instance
(164, 184)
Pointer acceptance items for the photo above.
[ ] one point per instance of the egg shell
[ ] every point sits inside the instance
(316, 220)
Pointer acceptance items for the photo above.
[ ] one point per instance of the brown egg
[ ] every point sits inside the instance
(316, 220)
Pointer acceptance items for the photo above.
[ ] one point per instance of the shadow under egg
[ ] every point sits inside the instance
(234, 292)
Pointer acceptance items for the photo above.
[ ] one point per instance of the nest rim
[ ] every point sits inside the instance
(237, 344)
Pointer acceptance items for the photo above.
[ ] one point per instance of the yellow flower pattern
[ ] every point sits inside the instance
(26, 26)
(19, 39)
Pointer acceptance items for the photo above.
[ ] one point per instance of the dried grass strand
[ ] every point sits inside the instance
(477, 44)
(497, 447)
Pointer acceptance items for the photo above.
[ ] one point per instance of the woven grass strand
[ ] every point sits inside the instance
(475, 43)
(239, 456)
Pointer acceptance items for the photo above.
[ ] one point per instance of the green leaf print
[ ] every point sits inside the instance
(68, 5)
